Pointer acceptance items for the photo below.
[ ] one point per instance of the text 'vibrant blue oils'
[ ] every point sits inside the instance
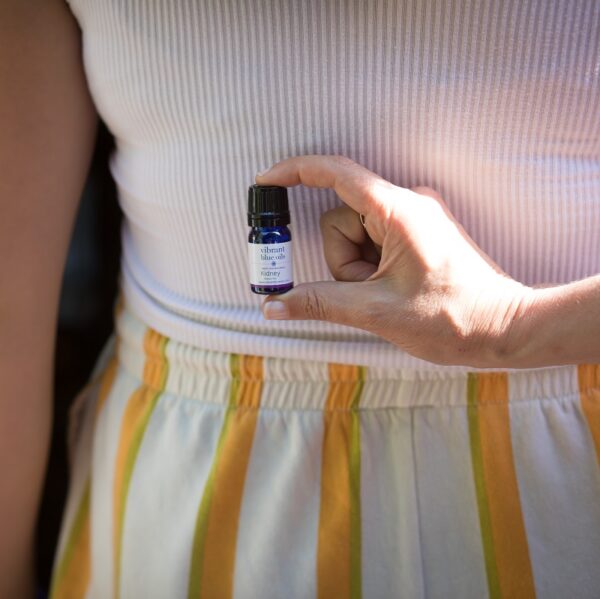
(269, 240)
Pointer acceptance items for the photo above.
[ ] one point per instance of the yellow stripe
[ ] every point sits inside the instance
(589, 394)
(338, 551)
(215, 537)
(72, 576)
(510, 547)
(482, 500)
(133, 426)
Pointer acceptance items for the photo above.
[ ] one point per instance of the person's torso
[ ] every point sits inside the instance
(494, 104)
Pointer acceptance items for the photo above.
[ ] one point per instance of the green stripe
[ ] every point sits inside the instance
(200, 529)
(485, 520)
(355, 520)
(80, 517)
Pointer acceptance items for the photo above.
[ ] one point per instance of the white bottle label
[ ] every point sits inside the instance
(270, 263)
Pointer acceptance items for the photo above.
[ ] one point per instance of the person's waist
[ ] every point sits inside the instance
(244, 331)
(207, 375)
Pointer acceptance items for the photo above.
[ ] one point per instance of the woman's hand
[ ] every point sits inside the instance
(411, 275)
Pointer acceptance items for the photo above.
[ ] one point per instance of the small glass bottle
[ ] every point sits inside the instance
(269, 240)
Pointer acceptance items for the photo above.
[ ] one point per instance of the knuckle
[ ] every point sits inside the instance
(333, 216)
(428, 191)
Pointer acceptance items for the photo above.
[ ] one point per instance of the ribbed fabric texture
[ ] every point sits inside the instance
(494, 104)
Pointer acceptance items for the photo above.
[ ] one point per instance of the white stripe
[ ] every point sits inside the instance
(165, 491)
(106, 443)
(391, 547)
(559, 485)
(448, 514)
(278, 526)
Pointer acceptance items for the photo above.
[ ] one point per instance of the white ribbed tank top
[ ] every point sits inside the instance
(495, 104)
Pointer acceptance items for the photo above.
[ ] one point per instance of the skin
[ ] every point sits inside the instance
(448, 303)
(413, 276)
(48, 125)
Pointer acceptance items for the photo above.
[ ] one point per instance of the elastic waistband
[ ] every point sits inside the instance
(186, 370)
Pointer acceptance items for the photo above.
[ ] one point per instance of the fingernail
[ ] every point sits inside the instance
(274, 310)
(263, 173)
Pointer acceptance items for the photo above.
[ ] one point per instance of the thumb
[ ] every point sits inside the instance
(349, 303)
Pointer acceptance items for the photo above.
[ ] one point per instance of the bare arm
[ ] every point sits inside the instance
(558, 325)
(47, 124)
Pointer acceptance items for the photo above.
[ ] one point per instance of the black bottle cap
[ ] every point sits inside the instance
(268, 206)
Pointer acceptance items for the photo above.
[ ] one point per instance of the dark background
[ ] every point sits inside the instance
(85, 322)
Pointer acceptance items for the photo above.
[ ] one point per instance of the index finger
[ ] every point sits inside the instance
(357, 186)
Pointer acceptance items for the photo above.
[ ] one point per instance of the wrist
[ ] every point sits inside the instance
(499, 327)
(516, 346)
(488, 328)
(554, 325)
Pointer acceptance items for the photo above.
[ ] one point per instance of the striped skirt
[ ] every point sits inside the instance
(203, 474)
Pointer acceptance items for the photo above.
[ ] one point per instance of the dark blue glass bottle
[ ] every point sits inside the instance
(269, 240)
